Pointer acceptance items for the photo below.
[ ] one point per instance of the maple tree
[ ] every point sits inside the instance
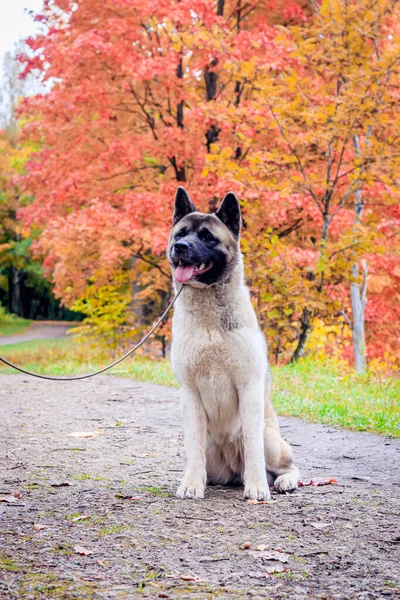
(322, 152)
(290, 104)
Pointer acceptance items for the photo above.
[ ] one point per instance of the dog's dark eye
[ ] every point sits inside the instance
(206, 235)
(180, 234)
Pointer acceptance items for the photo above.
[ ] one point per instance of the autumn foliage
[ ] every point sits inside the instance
(293, 105)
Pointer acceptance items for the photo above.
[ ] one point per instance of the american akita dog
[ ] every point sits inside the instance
(219, 356)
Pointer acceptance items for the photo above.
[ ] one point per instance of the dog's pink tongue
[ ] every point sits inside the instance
(184, 273)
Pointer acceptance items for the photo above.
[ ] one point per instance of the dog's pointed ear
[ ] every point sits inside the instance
(183, 205)
(229, 213)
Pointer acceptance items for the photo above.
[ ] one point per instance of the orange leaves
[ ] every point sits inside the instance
(317, 482)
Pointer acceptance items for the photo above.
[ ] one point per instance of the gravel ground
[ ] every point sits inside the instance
(339, 541)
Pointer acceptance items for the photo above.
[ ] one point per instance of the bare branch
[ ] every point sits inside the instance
(294, 153)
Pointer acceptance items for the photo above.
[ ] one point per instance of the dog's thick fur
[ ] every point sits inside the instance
(219, 356)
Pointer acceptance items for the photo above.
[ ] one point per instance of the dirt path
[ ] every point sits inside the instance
(37, 331)
(339, 541)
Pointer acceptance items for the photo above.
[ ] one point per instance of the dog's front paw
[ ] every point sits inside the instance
(257, 491)
(190, 490)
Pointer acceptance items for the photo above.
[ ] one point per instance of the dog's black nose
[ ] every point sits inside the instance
(180, 247)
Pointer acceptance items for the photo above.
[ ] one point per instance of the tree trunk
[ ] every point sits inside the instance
(358, 302)
(305, 329)
(10, 293)
(358, 296)
(16, 300)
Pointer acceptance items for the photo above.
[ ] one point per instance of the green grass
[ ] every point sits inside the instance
(315, 391)
(322, 393)
(65, 357)
(11, 324)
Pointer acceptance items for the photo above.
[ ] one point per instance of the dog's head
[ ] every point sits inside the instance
(203, 249)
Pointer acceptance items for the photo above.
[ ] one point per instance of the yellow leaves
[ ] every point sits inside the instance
(226, 153)
(108, 318)
(24, 232)
(327, 339)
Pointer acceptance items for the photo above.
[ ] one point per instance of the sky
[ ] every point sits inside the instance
(16, 23)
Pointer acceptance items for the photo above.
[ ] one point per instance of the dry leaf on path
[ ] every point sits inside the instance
(320, 525)
(84, 434)
(81, 518)
(38, 527)
(189, 577)
(262, 547)
(9, 499)
(82, 550)
(276, 568)
(317, 482)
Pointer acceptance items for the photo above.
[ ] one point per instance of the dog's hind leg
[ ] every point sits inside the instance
(281, 471)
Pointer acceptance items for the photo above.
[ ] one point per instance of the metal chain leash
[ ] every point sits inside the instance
(116, 362)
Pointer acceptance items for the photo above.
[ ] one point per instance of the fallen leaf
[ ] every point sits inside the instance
(17, 495)
(275, 568)
(189, 577)
(245, 546)
(262, 547)
(39, 527)
(271, 555)
(320, 525)
(253, 502)
(317, 482)
(82, 550)
(9, 499)
(81, 518)
(84, 434)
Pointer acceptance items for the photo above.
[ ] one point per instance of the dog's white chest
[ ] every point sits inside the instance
(207, 361)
